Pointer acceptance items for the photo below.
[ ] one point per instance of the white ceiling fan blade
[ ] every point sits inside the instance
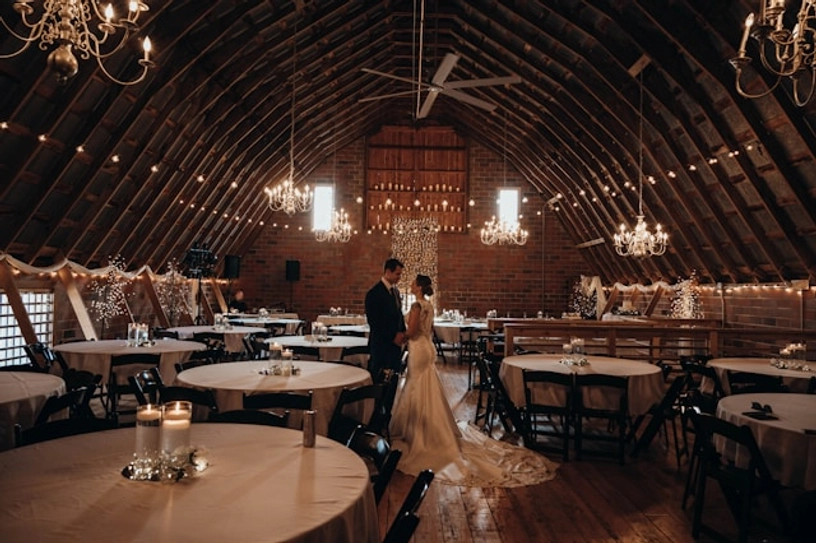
(462, 97)
(427, 104)
(390, 76)
(445, 68)
(488, 82)
(384, 96)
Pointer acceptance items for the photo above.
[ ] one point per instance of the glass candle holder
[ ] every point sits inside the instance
(148, 440)
(175, 427)
(286, 362)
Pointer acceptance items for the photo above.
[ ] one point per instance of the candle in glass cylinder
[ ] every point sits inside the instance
(286, 364)
(175, 426)
(148, 430)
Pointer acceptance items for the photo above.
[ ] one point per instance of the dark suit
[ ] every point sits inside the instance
(385, 321)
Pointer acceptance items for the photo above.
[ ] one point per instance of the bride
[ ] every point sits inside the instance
(424, 429)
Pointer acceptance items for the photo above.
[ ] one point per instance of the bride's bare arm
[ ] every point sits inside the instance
(413, 321)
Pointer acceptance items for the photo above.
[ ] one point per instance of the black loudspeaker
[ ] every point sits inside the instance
(293, 270)
(232, 266)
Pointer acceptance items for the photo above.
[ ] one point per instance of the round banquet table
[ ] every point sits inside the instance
(329, 350)
(796, 381)
(231, 380)
(449, 332)
(789, 452)
(261, 485)
(291, 325)
(330, 320)
(233, 337)
(94, 356)
(22, 395)
(646, 385)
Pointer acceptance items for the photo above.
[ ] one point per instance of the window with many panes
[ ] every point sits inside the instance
(40, 308)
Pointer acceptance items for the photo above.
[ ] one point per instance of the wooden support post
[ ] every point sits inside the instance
(78, 305)
(16, 302)
(150, 289)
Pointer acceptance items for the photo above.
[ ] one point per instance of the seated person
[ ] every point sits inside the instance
(237, 304)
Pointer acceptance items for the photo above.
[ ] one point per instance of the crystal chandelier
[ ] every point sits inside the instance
(640, 242)
(783, 52)
(502, 231)
(68, 23)
(339, 231)
(287, 197)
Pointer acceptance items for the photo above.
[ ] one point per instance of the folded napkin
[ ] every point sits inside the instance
(760, 415)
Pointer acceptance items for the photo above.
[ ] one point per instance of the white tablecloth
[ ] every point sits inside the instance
(262, 485)
(231, 380)
(789, 452)
(22, 395)
(328, 320)
(646, 385)
(329, 350)
(797, 381)
(94, 356)
(291, 325)
(233, 338)
(448, 332)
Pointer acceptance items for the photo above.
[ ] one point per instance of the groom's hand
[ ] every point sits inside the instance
(400, 339)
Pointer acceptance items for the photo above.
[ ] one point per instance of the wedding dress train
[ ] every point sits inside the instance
(424, 428)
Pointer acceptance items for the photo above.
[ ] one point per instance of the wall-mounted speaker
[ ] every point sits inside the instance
(232, 266)
(293, 270)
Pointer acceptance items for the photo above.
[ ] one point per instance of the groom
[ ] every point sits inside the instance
(383, 307)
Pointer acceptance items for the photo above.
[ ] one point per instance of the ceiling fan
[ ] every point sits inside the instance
(440, 85)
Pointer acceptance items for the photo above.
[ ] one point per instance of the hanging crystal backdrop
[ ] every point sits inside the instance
(414, 243)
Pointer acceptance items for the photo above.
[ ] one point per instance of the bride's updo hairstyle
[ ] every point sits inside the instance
(424, 282)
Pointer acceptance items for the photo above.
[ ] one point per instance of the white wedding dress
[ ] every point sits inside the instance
(424, 429)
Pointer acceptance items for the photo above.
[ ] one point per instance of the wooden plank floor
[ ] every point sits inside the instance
(590, 500)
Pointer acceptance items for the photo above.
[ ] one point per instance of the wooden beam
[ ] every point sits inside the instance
(78, 305)
(150, 289)
(658, 293)
(16, 302)
(219, 296)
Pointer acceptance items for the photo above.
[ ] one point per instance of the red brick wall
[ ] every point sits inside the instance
(472, 277)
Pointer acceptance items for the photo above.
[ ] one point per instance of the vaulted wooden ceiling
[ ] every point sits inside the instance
(734, 179)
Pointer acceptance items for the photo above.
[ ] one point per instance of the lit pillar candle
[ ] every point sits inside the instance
(148, 430)
(175, 426)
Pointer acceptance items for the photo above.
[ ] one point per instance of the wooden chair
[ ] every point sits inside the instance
(342, 425)
(617, 417)
(668, 409)
(163, 333)
(204, 405)
(60, 428)
(280, 402)
(740, 485)
(118, 385)
(380, 458)
(311, 353)
(252, 416)
(468, 351)
(741, 382)
(181, 366)
(55, 404)
(146, 385)
(538, 415)
(361, 351)
(406, 520)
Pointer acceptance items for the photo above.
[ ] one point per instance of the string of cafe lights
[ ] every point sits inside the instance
(753, 145)
(559, 200)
